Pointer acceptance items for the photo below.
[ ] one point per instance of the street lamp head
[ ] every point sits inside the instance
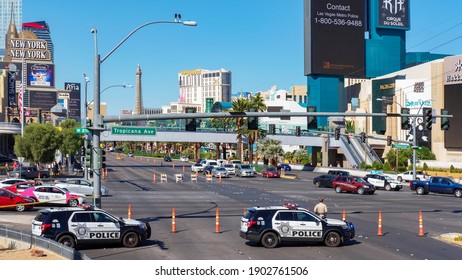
(189, 23)
(128, 86)
(93, 30)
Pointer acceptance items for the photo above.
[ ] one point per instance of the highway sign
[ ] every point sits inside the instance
(81, 130)
(400, 146)
(134, 130)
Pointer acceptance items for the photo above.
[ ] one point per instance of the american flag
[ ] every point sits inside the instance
(20, 101)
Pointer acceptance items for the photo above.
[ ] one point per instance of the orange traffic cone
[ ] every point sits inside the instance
(183, 168)
(173, 221)
(421, 229)
(155, 179)
(379, 231)
(102, 174)
(106, 172)
(129, 211)
(344, 216)
(245, 210)
(219, 179)
(217, 221)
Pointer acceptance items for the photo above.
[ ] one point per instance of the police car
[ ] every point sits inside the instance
(89, 225)
(383, 181)
(275, 224)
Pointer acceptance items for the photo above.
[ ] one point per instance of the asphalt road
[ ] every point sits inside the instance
(131, 181)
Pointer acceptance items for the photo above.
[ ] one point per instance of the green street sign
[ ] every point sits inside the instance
(81, 130)
(134, 130)
(400, 146)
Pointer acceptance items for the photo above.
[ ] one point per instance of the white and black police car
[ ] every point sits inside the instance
(89, 225)
(275, 224)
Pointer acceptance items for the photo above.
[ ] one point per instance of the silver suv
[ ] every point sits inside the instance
(244, 170)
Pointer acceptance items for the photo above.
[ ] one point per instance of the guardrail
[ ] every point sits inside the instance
(43, 243)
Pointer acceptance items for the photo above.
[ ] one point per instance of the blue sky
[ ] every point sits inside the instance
(260, 41)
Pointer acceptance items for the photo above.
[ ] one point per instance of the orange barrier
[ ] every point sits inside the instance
(217, 221)
(379, 231)
(173, 221)
(344, 216)
(421, 229)
(129, 211)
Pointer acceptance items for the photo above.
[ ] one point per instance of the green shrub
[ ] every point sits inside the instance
(387, 166)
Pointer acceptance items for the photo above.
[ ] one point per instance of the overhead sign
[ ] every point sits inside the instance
(81, 130)
(133, 130)
(453, 70)
(400, 146)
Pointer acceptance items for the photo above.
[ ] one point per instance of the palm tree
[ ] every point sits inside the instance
(271, 150)
(259, 105)
(239, 105)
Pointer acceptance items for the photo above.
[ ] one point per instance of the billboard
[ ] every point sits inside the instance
(384, 89)
(452, 97)
(334, 37)
(42, 99)
(394, 14)
(453, 70)
(74, 100)
(40, 75)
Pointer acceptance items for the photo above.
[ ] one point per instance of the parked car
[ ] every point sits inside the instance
(230, 168)
(80, 186)
(30, 172)
(14, 201)
(130, 154)
(353, 184)
(244, 170)
(324, 180)
(184, 158)
(235, 162)
(284, 166)
(408, 176)
(437, 184)
(383, 182)
(270, 172)
(222, 162)
(197, 167)
(167, 158)
(220, 172)
(11, 181)
(21, 186)
(54, 195)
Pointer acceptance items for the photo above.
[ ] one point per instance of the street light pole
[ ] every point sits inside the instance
(84, 123)
(97, 119)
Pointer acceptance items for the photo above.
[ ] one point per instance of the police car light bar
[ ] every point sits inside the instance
(290, 206)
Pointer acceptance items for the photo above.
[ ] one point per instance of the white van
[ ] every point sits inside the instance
(211, 162)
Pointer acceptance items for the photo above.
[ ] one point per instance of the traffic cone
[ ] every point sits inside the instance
(155, 179)
(173, 221)
(129, 211)
(217, 221)
(344, 216)
(245, 210)
(219, 179)
(173, 166)
(421, 229)
(379, 231)
(39, 174)
(102, 174)
(183, 168)
(106, 172)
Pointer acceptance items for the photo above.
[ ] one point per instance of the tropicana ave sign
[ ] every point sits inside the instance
(134, 130)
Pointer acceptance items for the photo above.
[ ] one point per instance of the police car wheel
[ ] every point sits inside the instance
(67, 240)
(73, 203)
(332, 239)
(270, 240)
(20, 207)
(131, 240)
(388, 187)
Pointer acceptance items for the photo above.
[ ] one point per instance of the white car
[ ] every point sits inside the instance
(407, 176)
(184, 158)
(230, 168)
(244, 170)
(80, 186)
(197, 167)
(11, 181)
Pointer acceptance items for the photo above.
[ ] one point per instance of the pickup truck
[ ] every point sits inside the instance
(30, 172)
(437, 184)
(407, 176)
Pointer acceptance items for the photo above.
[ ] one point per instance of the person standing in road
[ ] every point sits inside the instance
(320, 209)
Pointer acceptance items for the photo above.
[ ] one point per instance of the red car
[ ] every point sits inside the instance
(9, 199)
(20, 187)
(270, 172)
(352, 184)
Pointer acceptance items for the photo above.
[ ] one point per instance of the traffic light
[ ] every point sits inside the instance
(337, 133)
(298, 131)
(88, 157)
(252, 122)
(363, 137)
(272, 129)
(444, 120)
(405, 125)
(88, 122)
(389, 140)
(190, 123)
(428, 118)
(103, 158)
(411, 158)
(312, 120)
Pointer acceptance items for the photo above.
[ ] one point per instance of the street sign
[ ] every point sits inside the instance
(81, 130)
(400, 146)
(134, 130)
